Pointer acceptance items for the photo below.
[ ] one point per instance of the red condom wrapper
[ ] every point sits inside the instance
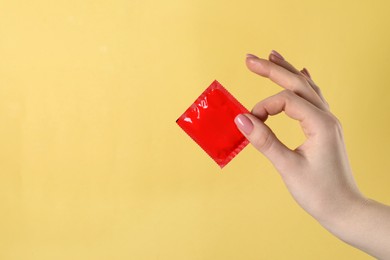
(209, 121)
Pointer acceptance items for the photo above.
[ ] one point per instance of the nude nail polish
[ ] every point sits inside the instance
(305, 71)
(244, 124)
(251, 56)
(277, 54)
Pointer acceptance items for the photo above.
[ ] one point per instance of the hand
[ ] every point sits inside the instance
(317, 173)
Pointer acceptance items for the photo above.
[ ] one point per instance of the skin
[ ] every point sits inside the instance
(317, 173)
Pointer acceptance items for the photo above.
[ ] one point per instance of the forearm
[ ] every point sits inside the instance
(364, 225)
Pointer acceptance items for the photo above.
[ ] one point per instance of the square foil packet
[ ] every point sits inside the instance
(209, 121)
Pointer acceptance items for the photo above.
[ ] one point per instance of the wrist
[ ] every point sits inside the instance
(343, 218)
(364, 225)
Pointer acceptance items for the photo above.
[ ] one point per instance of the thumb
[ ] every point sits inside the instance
(264, 140)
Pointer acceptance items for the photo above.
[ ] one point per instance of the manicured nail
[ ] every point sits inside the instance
(251, 56)
(305, 71)
(277, 54)
(244, 124)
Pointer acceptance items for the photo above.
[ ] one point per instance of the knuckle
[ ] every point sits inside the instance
(298, 81)
(335, 122)
(287, 94)
(333, 125)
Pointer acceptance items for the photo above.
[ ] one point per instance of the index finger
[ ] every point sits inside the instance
(312, 119)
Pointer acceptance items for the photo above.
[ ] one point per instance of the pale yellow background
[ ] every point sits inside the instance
(93, 166)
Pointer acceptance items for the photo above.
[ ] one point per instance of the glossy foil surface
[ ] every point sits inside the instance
(209, 121)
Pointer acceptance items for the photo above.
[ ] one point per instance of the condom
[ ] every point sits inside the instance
(209, 121)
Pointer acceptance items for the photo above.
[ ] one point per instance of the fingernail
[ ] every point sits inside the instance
(277, 54)
(305, 71)
(244, 124)
(251, 56)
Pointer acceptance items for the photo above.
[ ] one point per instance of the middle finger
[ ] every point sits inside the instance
(286, 79)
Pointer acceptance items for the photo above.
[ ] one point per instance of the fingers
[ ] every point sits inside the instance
(264, 140)
(311, 118)
(285, 78)
(277, 58)
(314, 122)
(306, 73)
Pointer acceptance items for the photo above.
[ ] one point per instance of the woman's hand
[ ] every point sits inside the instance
(317, 173)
